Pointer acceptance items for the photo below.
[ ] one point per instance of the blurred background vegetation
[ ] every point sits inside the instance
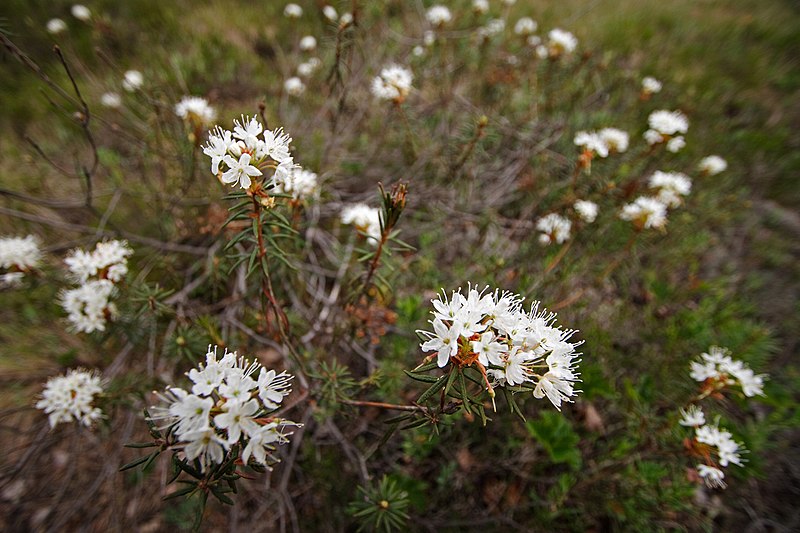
(726, 273)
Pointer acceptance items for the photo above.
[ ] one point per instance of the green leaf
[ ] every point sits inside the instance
(441, 382)
(425, 378)
(137, 462)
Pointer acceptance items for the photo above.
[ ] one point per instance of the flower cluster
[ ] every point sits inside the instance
(650, 86)
(132, 81)
(366, 219)
(70, 397)
(393, 83)
(560, 42)
(592, 144)
(492, 28)
(712, 165)
(195, 110)
(239, 157)
(308, 68)
(294, 86)
(18, 255)
(55, 26)
(438, 15)
(716, 446)
(525, 26)
(587, 210)
(228, 405)
(89, 306)
(553, 228)
(645, 212)
(667, 127)
(717, 370)
(671, 187)
(600, 144)
(300, 184)
(513, 347)
(108, 260)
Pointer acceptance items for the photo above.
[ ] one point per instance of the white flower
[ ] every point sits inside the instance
(418, 51)
(653, 137)
(195, 108)
(555, 387)
(586, 210)
(488, 349)
(237, 386)
(239, 171)
(480, 7)
(292, 11)
(132, 80)
(692, 417)
(542, 52)
(713, 477)
(366, 219)
(616, 139)
(189, 412)
(111, 99)
(712, 165)
(273, 387)
(646, 212)
(55, 26)
(443, 340)
(752, 384)
(294, 86)
(69, 397)
(260, 443)
(88, 307)
(650, 85)
(671, 187)
(438, 15)
(299, 183)
(393, 83)
(81, 12)
(330, 13)
(238, 418)
(536, 41)
(276, 146)
(206, 445)
(668, 122)
(308, 43)
(247, 130)
(553, 228)
(20, 253)
(345, 20)
(219, 143)
(591, 142)
(525, 26)
(428, 38)
(307, 68)
(561, 42)
(676, 144)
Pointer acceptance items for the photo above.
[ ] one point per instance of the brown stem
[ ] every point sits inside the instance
(557, 259)
(382, 405)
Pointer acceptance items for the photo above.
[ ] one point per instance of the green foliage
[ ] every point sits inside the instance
(381, 507)
(554, 432)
